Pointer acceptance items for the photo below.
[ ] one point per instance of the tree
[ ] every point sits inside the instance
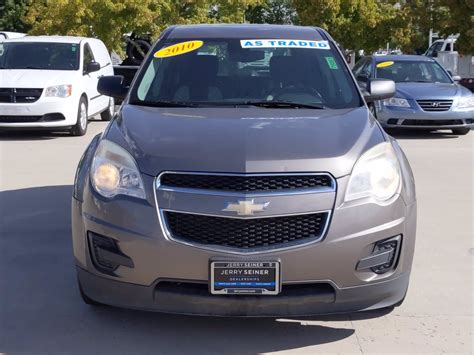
(110, 19)
(459, 19)
(11, 15)
(273, 11)
(353, 23)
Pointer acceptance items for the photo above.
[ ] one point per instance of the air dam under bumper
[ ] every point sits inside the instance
(168, 300)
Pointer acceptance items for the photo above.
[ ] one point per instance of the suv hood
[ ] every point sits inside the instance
(428, 91)
(246, 140)
(32, 78)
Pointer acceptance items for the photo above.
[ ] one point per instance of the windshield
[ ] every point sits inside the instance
(412, 71)
(39, 55)
(265, 73)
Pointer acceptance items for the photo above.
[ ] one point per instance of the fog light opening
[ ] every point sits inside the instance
(384, 256)
(106, 254)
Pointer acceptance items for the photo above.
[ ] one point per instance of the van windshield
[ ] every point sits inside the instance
(265, 73)
(39, 55)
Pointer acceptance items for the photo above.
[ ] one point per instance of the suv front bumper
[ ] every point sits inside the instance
(168, 276)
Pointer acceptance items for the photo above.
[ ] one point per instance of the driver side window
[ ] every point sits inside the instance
(363, 72)
(88, 57)
(359, 67)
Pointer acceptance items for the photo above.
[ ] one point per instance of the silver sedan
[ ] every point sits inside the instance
(426, 96)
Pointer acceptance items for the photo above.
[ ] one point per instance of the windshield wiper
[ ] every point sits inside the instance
(283, 104)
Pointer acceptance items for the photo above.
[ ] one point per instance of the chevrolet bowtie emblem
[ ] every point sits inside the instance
(246, 207)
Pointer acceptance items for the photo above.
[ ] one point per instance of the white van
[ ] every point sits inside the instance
(51, 82)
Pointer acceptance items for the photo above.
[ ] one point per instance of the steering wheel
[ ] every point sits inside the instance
(295, 90)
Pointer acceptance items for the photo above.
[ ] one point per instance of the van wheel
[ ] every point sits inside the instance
(461, 131)
(80, 128)
(109, 113)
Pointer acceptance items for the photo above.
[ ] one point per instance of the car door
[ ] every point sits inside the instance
(90, 80)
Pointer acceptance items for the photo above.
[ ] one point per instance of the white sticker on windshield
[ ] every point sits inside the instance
(283, 43)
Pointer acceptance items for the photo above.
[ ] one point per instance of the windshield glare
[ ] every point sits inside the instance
(412, 71)
(221, 72)
(39, 55)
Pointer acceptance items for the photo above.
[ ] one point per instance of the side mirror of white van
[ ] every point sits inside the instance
(92, 67)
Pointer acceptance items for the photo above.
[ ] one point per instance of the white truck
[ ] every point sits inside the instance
(461, 67)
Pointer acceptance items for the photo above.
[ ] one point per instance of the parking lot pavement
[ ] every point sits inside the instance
(41, 311)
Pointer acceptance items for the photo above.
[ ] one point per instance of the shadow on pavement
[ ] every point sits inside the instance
(41, 310)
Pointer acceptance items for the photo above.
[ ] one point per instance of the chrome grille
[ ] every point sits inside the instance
(435, 105)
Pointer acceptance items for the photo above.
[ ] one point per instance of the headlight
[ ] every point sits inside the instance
(114, 172)
(396, 102)
(376, 174)
(59, 91)
(466, 102)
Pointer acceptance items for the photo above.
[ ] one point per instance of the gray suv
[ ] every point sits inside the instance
(244, 176)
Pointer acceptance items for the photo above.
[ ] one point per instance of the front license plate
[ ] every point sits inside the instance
(245, 277)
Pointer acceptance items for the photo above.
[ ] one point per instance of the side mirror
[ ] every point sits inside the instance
(112, 86)
(92, 67)
(379, 89)
(456, 78)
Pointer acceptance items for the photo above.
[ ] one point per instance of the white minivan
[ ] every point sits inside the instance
(50, 82)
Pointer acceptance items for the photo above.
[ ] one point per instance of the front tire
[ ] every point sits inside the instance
(80, 128)
(109, 113)
(460, 131)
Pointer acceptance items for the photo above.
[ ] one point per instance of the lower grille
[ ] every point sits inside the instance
(431, 122)
(435, 105)
(19, 119)
(246, 234)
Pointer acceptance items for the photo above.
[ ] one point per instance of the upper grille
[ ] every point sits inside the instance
(16, 95)
(246, 234)
(435, 105)
(246, 183)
